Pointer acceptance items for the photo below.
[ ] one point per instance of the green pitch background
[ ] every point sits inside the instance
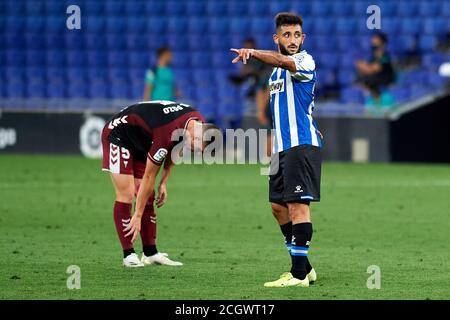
(56, 211)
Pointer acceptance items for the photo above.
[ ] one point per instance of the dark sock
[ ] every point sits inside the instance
(122, 216)
(127, 252)
(301, 237)
(149, 250)
(286, 229)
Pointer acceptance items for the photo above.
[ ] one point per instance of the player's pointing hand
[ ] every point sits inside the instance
(243, 54)
(134, 227)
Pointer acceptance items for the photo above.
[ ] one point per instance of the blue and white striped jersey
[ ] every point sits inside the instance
(292, 104)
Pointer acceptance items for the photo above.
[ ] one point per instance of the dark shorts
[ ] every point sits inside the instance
(298, 176)
(121, 160)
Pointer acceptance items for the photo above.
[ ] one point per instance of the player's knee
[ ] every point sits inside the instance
(125, 194)
(298, 210)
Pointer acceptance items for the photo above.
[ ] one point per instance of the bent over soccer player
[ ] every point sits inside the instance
(136, 142)
(296, 160)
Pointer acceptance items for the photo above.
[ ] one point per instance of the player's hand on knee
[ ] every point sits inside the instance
(133, 228)
(162, 195)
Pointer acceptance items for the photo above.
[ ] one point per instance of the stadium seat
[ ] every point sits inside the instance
(74, 41)
(138, 59)
(434, 26)
(95, 24)
(341, 9)
(218, 25)
(155, 8)
(427, 43)
(94, 41)
(36, 73)
(352, 95)
(321, 9)
(35, 24)
(239, 25)
(117, 59)
(323, 26)
(114, 8)
(237, 8)
(57, 7)
(177, 25)
(116, 41)
(196, 8)
(400, 94)
(279, 6)
(35, 58)
(115, 25)
(136, 25)
(407, 8)
(57, 74)
(15, 7)
(97, 58)
(156, 25)
(258, 8)
(181, 59)
(216, 8)
(136, 42)
(56, 24)
(135, 9)
(99, 89)
(200, 59)
(15, 24)
(430, 8)
(15, 58)
(34, 41)
(56, 89)
(75, 74)
(16, 89)
(175, 8)
(119, 90)
(78, 89)
(410, 26)
(95, 8)
(197, 25)
(390, 26)
(36, 88)
(178, 42)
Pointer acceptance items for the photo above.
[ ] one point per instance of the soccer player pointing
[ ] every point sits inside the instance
(136, 143)
(296, 160)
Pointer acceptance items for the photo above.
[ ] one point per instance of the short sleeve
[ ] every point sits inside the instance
(304, 65)
(149, 76)
(159, 150)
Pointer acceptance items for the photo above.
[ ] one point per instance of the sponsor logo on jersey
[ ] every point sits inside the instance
(276, 86)
(160, 155)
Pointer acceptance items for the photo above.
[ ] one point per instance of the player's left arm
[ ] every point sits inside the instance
(162, 189)
(266, 56)
(145, 190)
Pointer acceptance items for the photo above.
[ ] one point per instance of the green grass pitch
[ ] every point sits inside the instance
(56, 211)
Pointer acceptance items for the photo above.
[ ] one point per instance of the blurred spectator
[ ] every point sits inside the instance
(378, 73)
(264, 115)
(254, 74)
(160, 79)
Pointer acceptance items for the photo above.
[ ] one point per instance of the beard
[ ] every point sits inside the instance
(285, 51)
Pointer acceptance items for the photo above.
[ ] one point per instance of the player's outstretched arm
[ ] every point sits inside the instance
(145, 190)
(269, 57)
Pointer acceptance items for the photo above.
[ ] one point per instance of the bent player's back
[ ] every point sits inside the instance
(134, 127)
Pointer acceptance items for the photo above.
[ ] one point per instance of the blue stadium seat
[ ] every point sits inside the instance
(117, 59)
(216, 8)
(56, 89)
(178, 41)
(220, 43)
(221, 59)
(76, 74)
(35, 58)
(177, 25)
(218, 25)
(346, 43)
(116, 41)
(419, 91)
(432, 60)
(136, 42)
(99, 89)
(352, 95)
(237, 40)
(55, 41)
(258, 8)
(114, 8)
(56, 58)
(56, 74)
(94, 8)
(137, 75)
(326, 60)
(346, 26)
(430, 8)
(321, 9)
(115, 25)
(15, 41)
(345, 77)
(387, 8)
(278, 6)
(196, 8)
(346, 60)
(407, 8)
(136, 25)
(135, 9)
(78, 89)
(35, 24)
(15, 7)
(261, 26)
(94, 24)
(325, 43)
(390, 26)
(200, 59)
(76, 59)
(74, 41)
(401, 94)
(15, 58)
(445, 9)
(198, 42)
(97, 74)
(36, 73)
(156, 25)
(410, 26)
(16, 89)
(324, 26)
(237, 8)
(427, 43)
(94, 41)
(97, 58)
(155, 8)
(36, 88)
(119, 90)
(155, 41)
(406, 43)
(435, 26)
(341, 9)
(239, 25)
(56, 24)
(197, 25)
(138, 59)
(181, 59)
(15, 24)
(175, 8)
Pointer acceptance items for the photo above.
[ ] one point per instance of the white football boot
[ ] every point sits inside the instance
(160, 258)
(132, 261)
